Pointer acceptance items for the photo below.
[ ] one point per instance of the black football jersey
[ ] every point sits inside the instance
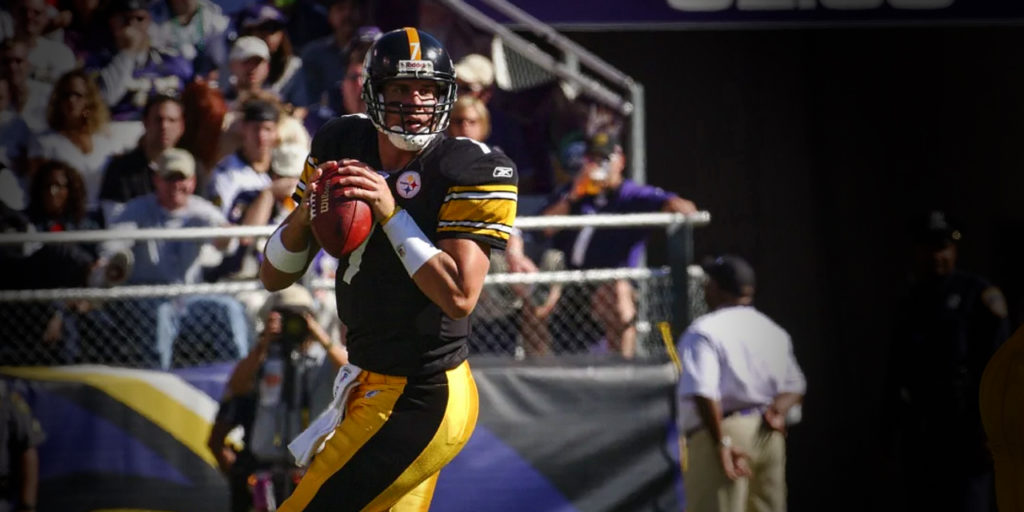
(455, 188)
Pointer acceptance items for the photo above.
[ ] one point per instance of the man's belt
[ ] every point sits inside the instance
(757, 409)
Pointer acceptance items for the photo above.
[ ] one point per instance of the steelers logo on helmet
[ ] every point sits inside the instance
(403, 54)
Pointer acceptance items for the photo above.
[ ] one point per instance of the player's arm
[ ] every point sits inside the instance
(292, 247)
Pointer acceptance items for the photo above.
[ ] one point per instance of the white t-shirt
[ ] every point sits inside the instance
(34, 110)
(738, 357)
(55, 146)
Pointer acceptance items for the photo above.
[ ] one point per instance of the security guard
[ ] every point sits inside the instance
(950, 325)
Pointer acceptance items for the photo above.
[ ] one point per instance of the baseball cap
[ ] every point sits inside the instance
(259, 15)
(731, 273)
(288, 160)
(260, 110)
(295, 298)
(601, 145)
(176, 161)
(249, 46)
(935, 228)
(476, 70)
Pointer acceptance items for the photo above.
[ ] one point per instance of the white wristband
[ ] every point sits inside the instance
(281, 258)
(409, 242)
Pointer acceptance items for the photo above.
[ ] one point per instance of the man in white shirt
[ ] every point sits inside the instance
(739, 382)
(49, 59)
(170, 205)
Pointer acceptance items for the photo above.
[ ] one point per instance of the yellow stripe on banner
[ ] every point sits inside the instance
(670, 346)
(490, 211)
(414, 43)
(483, 188)
(170, 415)
(493, 233)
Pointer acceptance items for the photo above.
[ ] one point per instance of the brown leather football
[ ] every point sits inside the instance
(339, 223)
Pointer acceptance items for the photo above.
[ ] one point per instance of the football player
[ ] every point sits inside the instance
(440, 205)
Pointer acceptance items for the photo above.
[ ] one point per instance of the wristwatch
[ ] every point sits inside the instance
(725, 442)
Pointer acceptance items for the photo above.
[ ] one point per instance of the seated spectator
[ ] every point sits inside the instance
(85, 32)
(57, 203)
(15, 138)
(286, 79)
(171, 205)
(48, 59)
(470, 118)
(29, 97)
(204, 115)
(130, 175)
(320, 57)
(350, 86)
(247, 169)
(130, 68)
(79, 134)
(601, 188)
(197, 28)
(249, 67)
(290, 129)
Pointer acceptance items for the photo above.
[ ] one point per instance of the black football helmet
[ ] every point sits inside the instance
(408, 53)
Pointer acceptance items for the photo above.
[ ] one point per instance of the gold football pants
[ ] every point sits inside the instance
(387, 453)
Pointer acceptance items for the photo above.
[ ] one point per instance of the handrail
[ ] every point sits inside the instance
(632, 220)
(538, 57)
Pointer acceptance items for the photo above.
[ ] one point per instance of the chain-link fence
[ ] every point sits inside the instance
(553, 312)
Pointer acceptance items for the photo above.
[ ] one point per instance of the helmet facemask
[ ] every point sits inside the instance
(439, 111)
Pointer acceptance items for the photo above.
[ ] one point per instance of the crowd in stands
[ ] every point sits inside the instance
(183, 113)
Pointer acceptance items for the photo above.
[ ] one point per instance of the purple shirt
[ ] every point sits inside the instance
(610, 247)
(127, 80)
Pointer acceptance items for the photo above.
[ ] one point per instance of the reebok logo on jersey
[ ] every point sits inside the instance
(502, 172)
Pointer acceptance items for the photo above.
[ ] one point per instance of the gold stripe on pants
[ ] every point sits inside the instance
(396, 436)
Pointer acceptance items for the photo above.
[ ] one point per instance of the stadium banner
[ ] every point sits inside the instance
(567, 437)
(668, 14)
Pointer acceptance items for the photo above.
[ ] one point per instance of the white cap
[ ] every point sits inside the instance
(295, 298)
(250, 46)
(288, 160)
(176, 161)
(475, 69)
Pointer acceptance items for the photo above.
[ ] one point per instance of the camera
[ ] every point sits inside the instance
(294, 329)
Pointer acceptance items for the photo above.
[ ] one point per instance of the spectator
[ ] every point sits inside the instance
(285, 79)
(290, 129)
(255, 396)
(204, 115)
(57, 203)
(20, 434)
(739, 382)
(15, 139)
(197, 28)
(29, 97)
(350, 87)
(249, 66)
(130, 175)
(47, 58)
(85, 31)
(600, 187)
(248, 168)
(171, 205)
(320, 58)
(131, 68)
(951, 323)
(470, 118)
(80, 134)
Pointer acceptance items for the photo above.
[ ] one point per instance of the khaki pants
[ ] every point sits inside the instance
(708, 489)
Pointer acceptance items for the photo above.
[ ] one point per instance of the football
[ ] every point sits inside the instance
(339, 223)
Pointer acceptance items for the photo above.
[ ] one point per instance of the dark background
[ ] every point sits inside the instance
(812, 148)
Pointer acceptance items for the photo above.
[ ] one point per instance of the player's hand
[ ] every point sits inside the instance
(775, 420)
(735, 462)
(364, 182)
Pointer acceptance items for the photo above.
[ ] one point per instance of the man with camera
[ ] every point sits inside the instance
(283, 379)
